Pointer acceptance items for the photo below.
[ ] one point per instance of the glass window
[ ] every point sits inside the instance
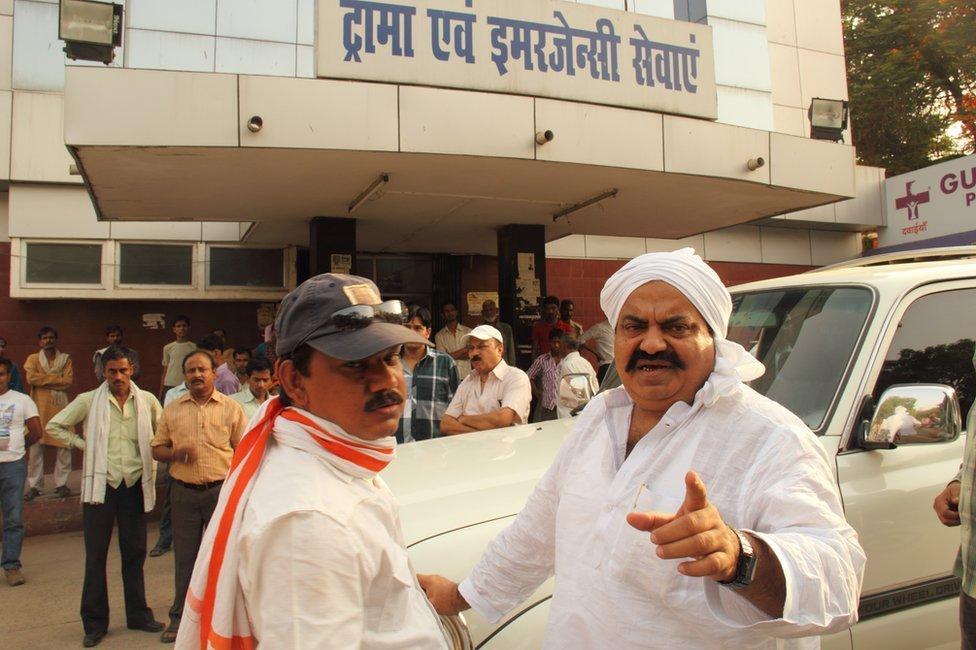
(404, 275)
(247, 267)
(155, 264)
(805, 337)
(934, 345)
(63, 263)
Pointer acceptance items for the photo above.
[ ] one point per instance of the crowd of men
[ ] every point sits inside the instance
(284, 534)
(457, 381)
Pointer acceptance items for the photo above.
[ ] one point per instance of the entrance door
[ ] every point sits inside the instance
(409, 278)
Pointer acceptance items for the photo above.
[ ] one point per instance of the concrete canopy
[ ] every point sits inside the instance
(157, 145)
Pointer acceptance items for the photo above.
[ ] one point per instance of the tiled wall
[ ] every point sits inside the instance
(806, 59)
(757, 244)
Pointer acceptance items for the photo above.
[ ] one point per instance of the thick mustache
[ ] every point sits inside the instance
(664, 355)
(383, 398)
(475, 358)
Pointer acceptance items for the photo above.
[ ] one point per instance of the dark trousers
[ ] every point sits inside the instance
(12, 477)
(166, 517)
(191, 512)
(967, 621)
(123, 506)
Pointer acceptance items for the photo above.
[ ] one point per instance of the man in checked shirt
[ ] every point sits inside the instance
(432, 379)
(196, 435)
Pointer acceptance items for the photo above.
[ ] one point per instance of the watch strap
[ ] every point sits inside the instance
(746, 567)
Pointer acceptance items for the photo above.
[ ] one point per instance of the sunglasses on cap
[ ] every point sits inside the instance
(359, 316)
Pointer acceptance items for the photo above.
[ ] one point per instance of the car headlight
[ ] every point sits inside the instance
(456, 629)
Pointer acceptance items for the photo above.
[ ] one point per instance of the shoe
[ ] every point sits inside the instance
(158, 550)
(92, 640)
(169, 636)
(62, 491)
(148, 626)
(32, 494)
(14, 577)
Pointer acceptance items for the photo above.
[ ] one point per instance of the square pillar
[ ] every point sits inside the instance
(521, 282)
(331, 244)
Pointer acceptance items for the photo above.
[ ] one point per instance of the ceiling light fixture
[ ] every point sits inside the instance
(368, 193)
(576, 207)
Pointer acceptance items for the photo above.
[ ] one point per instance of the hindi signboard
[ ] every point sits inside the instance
(542, 48)
(933, 206)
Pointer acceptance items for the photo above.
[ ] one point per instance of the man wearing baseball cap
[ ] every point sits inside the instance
(494, 395)
(305, 548)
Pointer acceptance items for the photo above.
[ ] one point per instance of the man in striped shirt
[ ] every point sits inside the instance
(544, 375)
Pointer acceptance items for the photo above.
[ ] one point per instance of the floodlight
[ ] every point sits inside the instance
(91, 30)
(828, 119)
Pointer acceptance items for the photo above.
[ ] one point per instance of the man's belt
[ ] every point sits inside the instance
(198, 486)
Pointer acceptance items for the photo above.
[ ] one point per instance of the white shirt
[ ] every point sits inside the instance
(15, 409)
(175, 393)
(323, 562)
(602, 336)
(506, 387)
(764, 471)
(450, 342)
(572, 364)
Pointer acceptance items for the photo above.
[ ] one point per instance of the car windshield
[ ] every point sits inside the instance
(805, 337)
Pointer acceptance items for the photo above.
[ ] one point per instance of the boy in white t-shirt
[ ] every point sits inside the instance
(20, 427)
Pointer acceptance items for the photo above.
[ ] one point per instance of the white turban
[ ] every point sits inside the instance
(696, 280)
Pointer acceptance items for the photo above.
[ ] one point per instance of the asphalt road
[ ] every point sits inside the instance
(43, 613)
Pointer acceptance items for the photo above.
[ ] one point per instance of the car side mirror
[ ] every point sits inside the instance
(575, 391)
(911, 414)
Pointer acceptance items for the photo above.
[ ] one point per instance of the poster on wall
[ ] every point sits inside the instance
(477, 298)
(341, 263)
(526, 265)
(154, 321)
(266, 314)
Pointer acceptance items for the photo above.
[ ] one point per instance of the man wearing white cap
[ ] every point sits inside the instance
(685, 509)
(494, 395)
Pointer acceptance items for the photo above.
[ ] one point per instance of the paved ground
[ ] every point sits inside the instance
(43, 613)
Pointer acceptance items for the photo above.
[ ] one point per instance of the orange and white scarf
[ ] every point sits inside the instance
(215, 615)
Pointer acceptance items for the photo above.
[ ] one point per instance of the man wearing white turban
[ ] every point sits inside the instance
(748, 544)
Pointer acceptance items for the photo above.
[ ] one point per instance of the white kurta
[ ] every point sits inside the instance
(764, 471)
(323, 564)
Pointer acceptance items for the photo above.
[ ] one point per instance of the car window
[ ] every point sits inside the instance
(805, 336)
(934, 344)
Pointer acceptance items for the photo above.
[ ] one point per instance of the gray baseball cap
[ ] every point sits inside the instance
(341, 316)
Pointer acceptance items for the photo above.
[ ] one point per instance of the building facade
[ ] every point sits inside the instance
(234, 147)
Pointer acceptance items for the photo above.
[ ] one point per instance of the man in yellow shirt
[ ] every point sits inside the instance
(118, 484)
(197, 435)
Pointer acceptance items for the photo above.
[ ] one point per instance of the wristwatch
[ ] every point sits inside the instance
(746, 567)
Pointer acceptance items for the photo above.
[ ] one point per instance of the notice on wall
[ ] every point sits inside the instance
(477, 298)
(526, 265)
(341, 263)
(528, 290)
(154, 321)
(266, 314)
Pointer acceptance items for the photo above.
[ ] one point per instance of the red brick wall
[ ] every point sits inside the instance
(81, 326)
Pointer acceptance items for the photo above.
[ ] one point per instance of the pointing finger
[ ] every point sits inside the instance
(649, 521)
(695, 496)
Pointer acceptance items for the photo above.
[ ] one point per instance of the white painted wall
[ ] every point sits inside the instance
(755, 244)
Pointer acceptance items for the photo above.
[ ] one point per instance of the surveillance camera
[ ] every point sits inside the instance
(543, 137)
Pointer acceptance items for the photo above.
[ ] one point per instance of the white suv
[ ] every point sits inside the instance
(876, 357)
